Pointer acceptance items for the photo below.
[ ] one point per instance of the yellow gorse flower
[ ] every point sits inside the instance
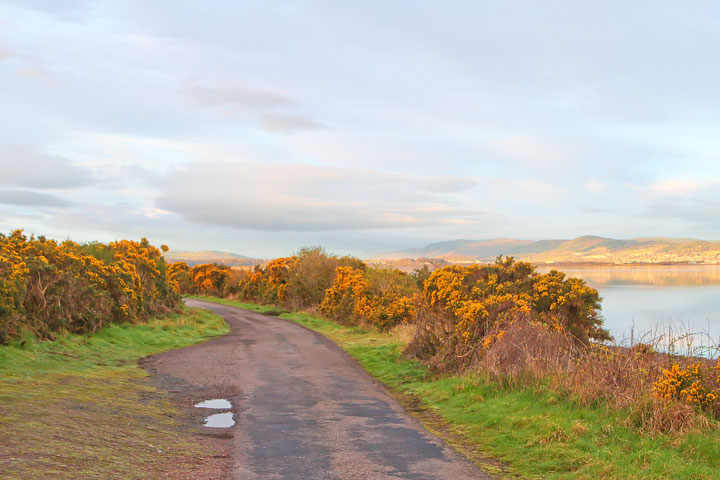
(686, 384)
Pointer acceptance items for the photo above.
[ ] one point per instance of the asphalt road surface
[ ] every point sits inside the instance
(303, 408)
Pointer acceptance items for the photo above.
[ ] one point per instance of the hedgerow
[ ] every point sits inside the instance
(47, 287)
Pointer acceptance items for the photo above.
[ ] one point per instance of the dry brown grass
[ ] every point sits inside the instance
(404, 332)
(529, 354)
(659, 415)
(526, 353)
(621, 377)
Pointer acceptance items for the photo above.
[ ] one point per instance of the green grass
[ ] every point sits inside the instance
(533, 432)
(81, 407)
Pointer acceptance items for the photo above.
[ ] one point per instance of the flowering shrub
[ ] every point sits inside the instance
(568, 304)
(47, 287)
(179, 277)
(349, 299)
(299, 281)
(13, 280)
(690, 385)
(481, 298)
(268, 284)
(382, 297)
(467, 309)
(210, 279)
(399, 310)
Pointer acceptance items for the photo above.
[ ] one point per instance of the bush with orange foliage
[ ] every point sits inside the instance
(210, 279)
(692, 384)
(469, 307)
(49, 287)
(380, 297)
(299, 281)
(267, 285)
(179, 277)
(348, 300)
(13, 280)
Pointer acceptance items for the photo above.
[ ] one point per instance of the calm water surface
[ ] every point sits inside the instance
(649, 300)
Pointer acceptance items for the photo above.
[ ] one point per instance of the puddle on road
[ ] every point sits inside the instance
(220, 420)
(216, 403)
(217, 420)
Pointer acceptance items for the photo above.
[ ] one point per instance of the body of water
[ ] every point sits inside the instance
(650, 301)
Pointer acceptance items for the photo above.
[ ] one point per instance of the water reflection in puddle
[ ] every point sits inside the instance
(217, 420)
(220, 420)
(217, 403)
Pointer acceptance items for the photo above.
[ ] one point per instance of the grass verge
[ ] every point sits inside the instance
(534, 432)
(79, 407)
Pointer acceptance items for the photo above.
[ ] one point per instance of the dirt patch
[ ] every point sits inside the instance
(118, 425)
(185, 396)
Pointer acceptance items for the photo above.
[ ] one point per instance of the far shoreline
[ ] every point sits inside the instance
(420, 262)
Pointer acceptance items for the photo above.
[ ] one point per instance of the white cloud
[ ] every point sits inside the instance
(107, 222)
(595, 185)
(27, 167)
(36, 72)
(287, 123)
(680, 186)
(681, 213)
(73, 10)
(564, 112)
(237, 98)
(532, 150)
(524, 188)
(31, 198)
(301, 197)
(446, 184)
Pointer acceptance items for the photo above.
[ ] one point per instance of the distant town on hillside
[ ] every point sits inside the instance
(581, 250)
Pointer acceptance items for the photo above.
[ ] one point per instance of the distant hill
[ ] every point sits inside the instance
(586, 249)
(211, 256)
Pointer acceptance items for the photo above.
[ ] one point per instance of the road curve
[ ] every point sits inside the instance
(304, 408)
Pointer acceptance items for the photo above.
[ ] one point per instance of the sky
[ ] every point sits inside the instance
(262, 127)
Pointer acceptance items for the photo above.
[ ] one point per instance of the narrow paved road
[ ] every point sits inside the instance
(304, 408)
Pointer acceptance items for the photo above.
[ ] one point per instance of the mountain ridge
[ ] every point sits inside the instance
(196, 257)
(583, 249)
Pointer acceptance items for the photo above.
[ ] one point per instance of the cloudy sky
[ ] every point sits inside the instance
(260, 127)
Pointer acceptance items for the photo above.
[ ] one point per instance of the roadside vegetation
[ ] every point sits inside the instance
(511, 430)
(532, 342)
(74, 321)
(48, 288)
(517, 363)
(81, 407)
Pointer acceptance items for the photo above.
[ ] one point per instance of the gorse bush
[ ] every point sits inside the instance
(203, 279)
(468, 308)
(48, 287)
(692, 384)
(299, 281)
(211, 279)
(342, 288)
(347, 301)
(381, 297)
